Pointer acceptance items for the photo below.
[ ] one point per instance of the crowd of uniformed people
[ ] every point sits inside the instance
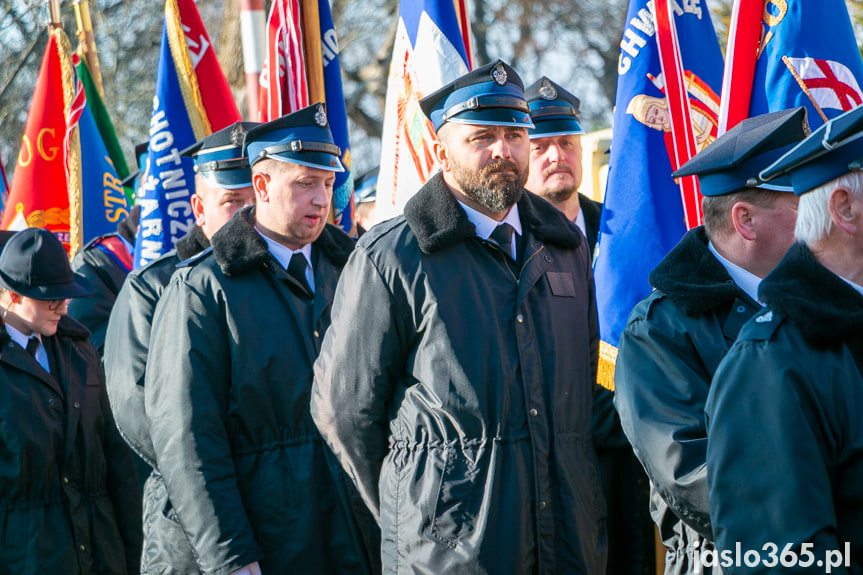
(275, 397)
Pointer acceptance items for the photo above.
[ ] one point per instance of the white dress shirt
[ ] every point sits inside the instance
(486, 225)
(284, 254)
(745, 280)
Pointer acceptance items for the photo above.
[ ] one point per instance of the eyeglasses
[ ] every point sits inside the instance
(56, 304)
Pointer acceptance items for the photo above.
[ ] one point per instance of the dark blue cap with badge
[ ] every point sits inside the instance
(554, 111)
(219, 157)
(833, 150)
(733, 162)
(303, 137)
(365, 187)
(492, 95)
(141, 159)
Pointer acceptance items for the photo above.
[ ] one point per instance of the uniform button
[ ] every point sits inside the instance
(533, 413)
(519, 318)
(317, 334)
(82, 548)
(51, 401)
(11, 344)
(542, 505)
(548, 258)
(65, 480)
(740, 309)
(77, 405)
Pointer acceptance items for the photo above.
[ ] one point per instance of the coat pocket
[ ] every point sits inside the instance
(460, 495)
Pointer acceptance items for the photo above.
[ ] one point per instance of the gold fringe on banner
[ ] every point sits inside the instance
(607, 361)
(185, 71)
(74, 184)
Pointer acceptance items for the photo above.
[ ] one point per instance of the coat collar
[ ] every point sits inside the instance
(238, 248)
(192, 243)
(692, 277)
(827, 310)
(438, 221)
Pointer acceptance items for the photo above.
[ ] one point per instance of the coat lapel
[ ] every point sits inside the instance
(20, 359)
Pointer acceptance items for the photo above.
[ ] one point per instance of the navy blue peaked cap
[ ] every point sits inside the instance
(366, 186)
(492, 95)
(553, 110)
(733, 162)
(219, 158)
(832, 150)
(303, 137)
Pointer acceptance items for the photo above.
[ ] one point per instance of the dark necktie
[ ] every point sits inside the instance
(297, 270)
(33, 345)
(502, 236)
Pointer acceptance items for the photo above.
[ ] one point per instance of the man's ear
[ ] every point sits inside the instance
(198, 210)
(441, 154)
(261, 185)
(742, 220)
(844, 211)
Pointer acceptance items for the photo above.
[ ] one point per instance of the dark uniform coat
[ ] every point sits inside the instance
(673, 342)
(227, 399)
(785, 449)
(165, 549)
(458, 394)
(104, 262)
(69, 501)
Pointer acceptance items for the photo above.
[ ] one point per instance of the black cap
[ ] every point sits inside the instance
(733, 162)
(219, 158)
(492, 95)
(554, 111)
(303, 137)
(833, 150)
(34, 264)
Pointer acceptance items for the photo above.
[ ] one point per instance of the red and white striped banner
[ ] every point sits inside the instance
(283, 79)
(683, 135)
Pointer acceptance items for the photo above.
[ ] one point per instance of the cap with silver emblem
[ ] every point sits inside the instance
(492, 95)
(219, 157)
(554, 111)
(733, 162)
(303, 137)
(833, 150)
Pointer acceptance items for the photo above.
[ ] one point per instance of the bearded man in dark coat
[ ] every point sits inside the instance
(456, 383)
(784, 433)
(229, 374)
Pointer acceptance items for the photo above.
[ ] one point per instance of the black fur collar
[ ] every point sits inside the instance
(692, 277)
(238, 248)
(438, 221)
(826, 309)
(194, 242)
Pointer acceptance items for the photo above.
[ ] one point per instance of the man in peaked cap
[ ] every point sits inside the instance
(246, 471)
(365, 195)
(455, 384)
(555, 174)
(555, 155)
(223, 185)
(785, 444)
(704, 291)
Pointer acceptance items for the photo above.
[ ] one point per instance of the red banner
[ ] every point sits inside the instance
(283, 79)
(38, 195)
(216, 94)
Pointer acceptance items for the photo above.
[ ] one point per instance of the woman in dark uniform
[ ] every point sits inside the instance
(69, 501)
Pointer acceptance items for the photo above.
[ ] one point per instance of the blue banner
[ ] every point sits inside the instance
(337, 115)
(643, 214)
(169, 182)
(808, 57)
(103, 196)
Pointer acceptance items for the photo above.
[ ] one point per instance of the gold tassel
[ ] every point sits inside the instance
(607, 361)
(185, 71)
(74, 184)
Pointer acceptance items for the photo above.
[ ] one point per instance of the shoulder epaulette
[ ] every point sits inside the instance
(195, 259)
(762, 325)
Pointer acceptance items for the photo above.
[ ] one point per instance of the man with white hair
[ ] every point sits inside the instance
(785, 442)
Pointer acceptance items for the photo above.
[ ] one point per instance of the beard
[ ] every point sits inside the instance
(490, 187)
(557, 192)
